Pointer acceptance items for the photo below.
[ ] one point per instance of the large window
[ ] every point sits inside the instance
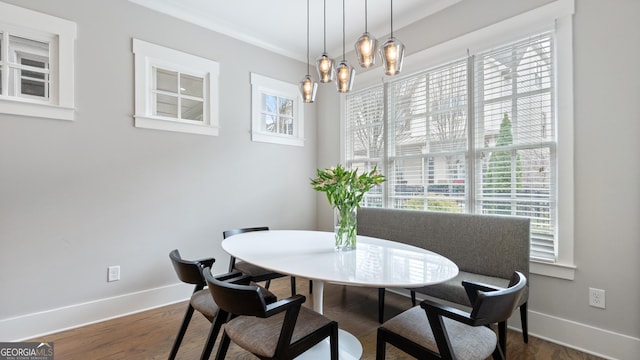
(36, 64)
(474, 135)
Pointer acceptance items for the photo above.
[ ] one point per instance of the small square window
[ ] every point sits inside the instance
(175, 91)
(277, 113)
(36, 64)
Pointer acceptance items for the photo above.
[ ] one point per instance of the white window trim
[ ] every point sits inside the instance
(560, 14)
(61, 105)
(148, 56)
(261, 84)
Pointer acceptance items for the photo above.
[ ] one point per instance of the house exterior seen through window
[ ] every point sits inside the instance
(277, 113)
(36, 64)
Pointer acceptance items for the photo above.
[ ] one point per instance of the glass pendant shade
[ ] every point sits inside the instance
(326, 68)
(366, 50)
(392, 54)
(345, 76)
(308, 89)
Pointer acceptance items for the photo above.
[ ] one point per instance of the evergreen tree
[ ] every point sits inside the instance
(498, 178)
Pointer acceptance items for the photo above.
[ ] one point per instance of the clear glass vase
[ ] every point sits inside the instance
(346, 228)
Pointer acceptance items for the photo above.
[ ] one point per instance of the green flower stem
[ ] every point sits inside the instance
(346, 233)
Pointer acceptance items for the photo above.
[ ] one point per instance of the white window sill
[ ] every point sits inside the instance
(556, 270)
(276, 139)
(35, 109)
(171, 125)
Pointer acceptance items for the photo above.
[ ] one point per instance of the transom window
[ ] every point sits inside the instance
(27, 68)
(36, 64)
(277, 116)
(175, 91)
(177, 95)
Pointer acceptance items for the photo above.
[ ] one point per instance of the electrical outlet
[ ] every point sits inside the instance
(596, 298)
(113, 273)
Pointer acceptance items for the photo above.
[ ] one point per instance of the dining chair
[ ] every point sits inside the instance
(281, 330)
(190, 272)
(437, 331)
(257, 273)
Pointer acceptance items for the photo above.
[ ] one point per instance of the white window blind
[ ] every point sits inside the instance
(428, 139)
(442, 149)
(364, 141)
(515, 136)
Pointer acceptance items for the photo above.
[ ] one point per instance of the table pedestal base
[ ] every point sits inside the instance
(349, 348)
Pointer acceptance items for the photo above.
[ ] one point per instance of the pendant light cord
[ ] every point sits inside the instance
(392, 19)
(366, 16)
(343, 37)
(325, 26)
(308, 38)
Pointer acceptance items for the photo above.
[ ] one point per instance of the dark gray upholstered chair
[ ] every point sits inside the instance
(281, 330)
(256, 273)
(190, 272)
(436, 331)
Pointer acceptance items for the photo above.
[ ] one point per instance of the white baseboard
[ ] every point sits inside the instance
(38, 324)
(586, 338)
(589, 339)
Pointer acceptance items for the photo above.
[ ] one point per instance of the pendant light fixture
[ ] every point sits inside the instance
(325, 64)
(346, 73)
(366, 45)
(308, 87)
(392, 52)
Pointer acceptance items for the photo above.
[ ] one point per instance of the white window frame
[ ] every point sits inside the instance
(559, 13)
(264, 85)
(61, 36)
(149, 56)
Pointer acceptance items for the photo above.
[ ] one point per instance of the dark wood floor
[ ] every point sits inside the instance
(150, 334)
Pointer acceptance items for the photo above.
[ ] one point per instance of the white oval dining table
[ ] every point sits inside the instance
(311, 254)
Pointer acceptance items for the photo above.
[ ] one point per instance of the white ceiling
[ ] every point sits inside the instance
(280, 25)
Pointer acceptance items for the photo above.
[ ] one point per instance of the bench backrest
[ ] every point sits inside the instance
(482, 244)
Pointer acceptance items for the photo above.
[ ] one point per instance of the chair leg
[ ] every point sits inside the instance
(333, 341)
(293, 286)
(213, 335)
(502, 336)
(381, 346)
(413, 298)
(523, 319)
(181, 332)
(497, 354)
(381, 292)
(224, 346)
(267, 283)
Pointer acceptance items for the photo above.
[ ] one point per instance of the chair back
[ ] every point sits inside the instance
(235, 298)
(189, 272)
(496, 306)
(226, 234)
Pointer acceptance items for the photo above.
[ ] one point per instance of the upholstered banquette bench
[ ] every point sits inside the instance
(486, 248)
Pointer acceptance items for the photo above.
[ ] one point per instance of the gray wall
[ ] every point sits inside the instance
(78, 196)
(607, 153)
